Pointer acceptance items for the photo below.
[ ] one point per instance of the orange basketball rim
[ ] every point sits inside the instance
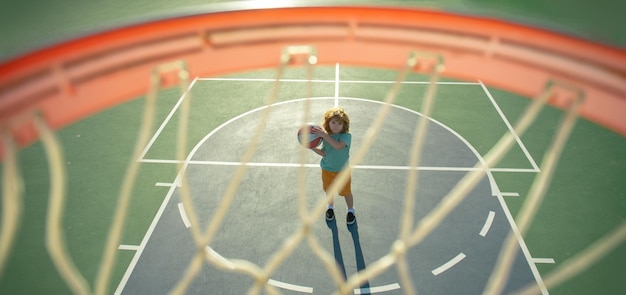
(73, 80)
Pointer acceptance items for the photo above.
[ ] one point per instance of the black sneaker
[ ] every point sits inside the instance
(330, 214)
(350, 218)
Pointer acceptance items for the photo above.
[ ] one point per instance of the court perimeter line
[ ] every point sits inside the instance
(508, 125)
(144, 241)
(332, 81)
(167, 119)
(522, 244)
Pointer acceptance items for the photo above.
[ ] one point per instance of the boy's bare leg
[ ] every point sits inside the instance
(349, 201)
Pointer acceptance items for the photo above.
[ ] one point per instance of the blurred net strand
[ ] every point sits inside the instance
(453, 198)
(371, 134)
(117, 227)
(310, 57)
(68, 271)
(581, 261)
(472, 178)
(294, 55)
(407, 220)
(215, 222)
(12, 206)
(55, 235)
(500, 276)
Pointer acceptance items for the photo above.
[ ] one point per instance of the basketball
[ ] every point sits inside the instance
(313, 140)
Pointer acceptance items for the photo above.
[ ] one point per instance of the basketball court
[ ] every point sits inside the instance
(85, 211)
(457, 257)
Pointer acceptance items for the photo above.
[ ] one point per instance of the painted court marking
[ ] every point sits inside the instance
(128, 247)
(379, 289)
(510, 194)
(167, 119)
(290, 287)
(511, 130)
(449, 264)
(488, 222)
(437, 271)
(144, 241)
(544, 260)
(183, 215)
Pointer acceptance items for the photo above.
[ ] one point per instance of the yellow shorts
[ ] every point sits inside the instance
(327, 179)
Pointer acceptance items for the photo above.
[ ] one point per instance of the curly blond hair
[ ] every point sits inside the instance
(336, 113)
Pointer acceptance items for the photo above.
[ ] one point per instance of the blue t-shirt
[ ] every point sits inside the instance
(336, 160)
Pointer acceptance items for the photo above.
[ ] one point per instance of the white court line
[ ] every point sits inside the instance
(160, 161)
(332, 81)
(265, 80)
(214, 255)
(515, 170)
(128, 247)
(378, 289)
(290, 287)
(449, 264)
(164, 184)
(337, 85)
(522, 244)
(510, 194)
(167, 119)
(309, 165)
(508, 125)
(488, 223)
(183, 215)
(144, 241)
(544, 260)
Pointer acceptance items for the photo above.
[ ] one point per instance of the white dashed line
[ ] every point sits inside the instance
(487, 225)
(448, 264)
(378, 289)
(183, 215)
(290, 287)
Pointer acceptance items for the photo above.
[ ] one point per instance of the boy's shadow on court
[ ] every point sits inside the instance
(360, 261)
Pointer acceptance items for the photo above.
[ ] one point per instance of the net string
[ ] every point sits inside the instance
(55, 235)
(500, 275)
(204, 239)
(56, 243)
(12, 206)
(581, 261)
(452, 199)
(407, 219)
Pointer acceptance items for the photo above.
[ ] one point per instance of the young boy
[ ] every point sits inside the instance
(335, 154)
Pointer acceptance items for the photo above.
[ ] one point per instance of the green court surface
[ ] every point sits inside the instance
(585, 200)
